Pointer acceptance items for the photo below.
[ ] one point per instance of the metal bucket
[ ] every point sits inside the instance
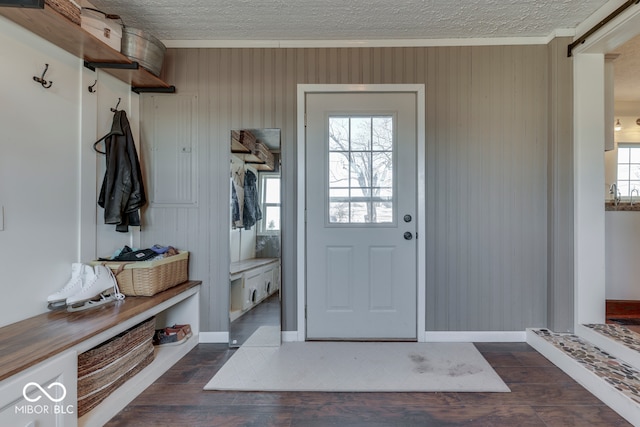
(147, 50)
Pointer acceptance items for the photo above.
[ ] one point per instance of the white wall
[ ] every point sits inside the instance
(622, 229)
(48, 180)
(622, 255)
(589, 237)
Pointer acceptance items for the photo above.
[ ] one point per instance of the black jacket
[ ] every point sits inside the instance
(251, 213)
(122, 193)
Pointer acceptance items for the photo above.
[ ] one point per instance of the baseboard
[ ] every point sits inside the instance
(223, 337)
(214, 337)
(449, 336)
(475, 336)
(289, 336)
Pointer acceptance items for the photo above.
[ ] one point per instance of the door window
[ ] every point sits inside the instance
(361, 170)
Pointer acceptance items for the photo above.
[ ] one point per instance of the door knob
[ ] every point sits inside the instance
(407, 218)
(408, 235)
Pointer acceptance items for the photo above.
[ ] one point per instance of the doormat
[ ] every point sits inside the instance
(358, 367)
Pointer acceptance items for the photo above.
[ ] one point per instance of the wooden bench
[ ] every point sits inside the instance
(45, 348)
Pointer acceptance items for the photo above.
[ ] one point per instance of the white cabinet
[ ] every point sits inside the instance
(42, 396)
(252, 281)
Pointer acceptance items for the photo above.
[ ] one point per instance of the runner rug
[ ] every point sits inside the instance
(358, 367)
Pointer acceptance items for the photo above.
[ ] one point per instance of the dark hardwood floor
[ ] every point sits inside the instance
(541, 395)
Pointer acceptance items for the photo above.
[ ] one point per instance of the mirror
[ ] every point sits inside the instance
(254, 240)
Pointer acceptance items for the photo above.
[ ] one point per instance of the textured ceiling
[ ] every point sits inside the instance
(349, 19)
(356, 20)
(626, 71)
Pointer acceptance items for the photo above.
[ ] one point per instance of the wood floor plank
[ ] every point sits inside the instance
(579, 416)
(405, 400)
(534, 394)
(533, 375)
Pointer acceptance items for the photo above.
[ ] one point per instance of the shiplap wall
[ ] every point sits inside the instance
(487, 136)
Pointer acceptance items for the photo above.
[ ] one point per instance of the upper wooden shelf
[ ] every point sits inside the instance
(52, 26)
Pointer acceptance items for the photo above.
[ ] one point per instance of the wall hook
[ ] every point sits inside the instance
(92, 87)
(115, 110)
(45, 84)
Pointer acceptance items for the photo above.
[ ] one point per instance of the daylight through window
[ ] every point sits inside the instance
(361, 169)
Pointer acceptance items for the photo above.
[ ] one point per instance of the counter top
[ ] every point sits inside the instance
(248, 264)
(622, 206)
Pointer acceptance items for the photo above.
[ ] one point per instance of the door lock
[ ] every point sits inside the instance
(407, 218)
(408, 235)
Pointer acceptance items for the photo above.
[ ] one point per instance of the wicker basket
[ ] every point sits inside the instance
(106, 367)
(147, 278)
(67, 8)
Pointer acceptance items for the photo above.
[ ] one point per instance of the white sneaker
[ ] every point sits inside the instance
(97, 282)
(73, 285)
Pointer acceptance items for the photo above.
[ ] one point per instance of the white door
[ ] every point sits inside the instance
(361, 216)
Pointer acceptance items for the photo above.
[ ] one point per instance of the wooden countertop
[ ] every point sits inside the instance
(248, 264)
(28, 342)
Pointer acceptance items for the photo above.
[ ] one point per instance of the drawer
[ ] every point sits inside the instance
(44, 395)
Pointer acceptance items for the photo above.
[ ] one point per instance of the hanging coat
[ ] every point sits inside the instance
(252, 213)
(237, 195)
(122, 193)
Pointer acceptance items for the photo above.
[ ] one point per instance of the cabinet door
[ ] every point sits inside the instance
(267, 279)
(252, 288)
(45, 395)
(276, 277)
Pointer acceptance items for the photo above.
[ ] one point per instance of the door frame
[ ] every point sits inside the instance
(301, 231)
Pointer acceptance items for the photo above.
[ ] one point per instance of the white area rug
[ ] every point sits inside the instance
(358, 367)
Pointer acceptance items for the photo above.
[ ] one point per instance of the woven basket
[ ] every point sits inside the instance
(104, 368)
(67, 8)
(147, 278)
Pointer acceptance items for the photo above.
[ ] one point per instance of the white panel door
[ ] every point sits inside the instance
(361, 216)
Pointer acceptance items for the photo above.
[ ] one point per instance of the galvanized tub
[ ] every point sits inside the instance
(147, 50)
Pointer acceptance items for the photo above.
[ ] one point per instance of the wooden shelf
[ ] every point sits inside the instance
(52, 26)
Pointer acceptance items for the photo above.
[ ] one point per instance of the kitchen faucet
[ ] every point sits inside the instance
(637, 193)
(613, 189)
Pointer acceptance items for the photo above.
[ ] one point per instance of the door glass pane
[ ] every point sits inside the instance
(339, 134)
(338, 169)
(382, 135)
(361, 134)
(361, 170)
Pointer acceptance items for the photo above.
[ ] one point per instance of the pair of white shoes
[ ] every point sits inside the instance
(86, 284)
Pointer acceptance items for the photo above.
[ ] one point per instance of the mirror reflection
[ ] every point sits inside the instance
(254, 241)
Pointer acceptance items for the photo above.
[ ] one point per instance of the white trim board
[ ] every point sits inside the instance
(223, 337)
(303, 90)
(213, 337)
(495, 41)
(446, 336)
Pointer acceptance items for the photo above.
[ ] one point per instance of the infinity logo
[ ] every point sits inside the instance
(36, 385)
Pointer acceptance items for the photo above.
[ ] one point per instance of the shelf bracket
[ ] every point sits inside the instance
(119, 65)
(139, 90)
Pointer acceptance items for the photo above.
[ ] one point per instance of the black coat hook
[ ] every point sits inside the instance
(45, 84)
(115, 110)
(92, 87)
